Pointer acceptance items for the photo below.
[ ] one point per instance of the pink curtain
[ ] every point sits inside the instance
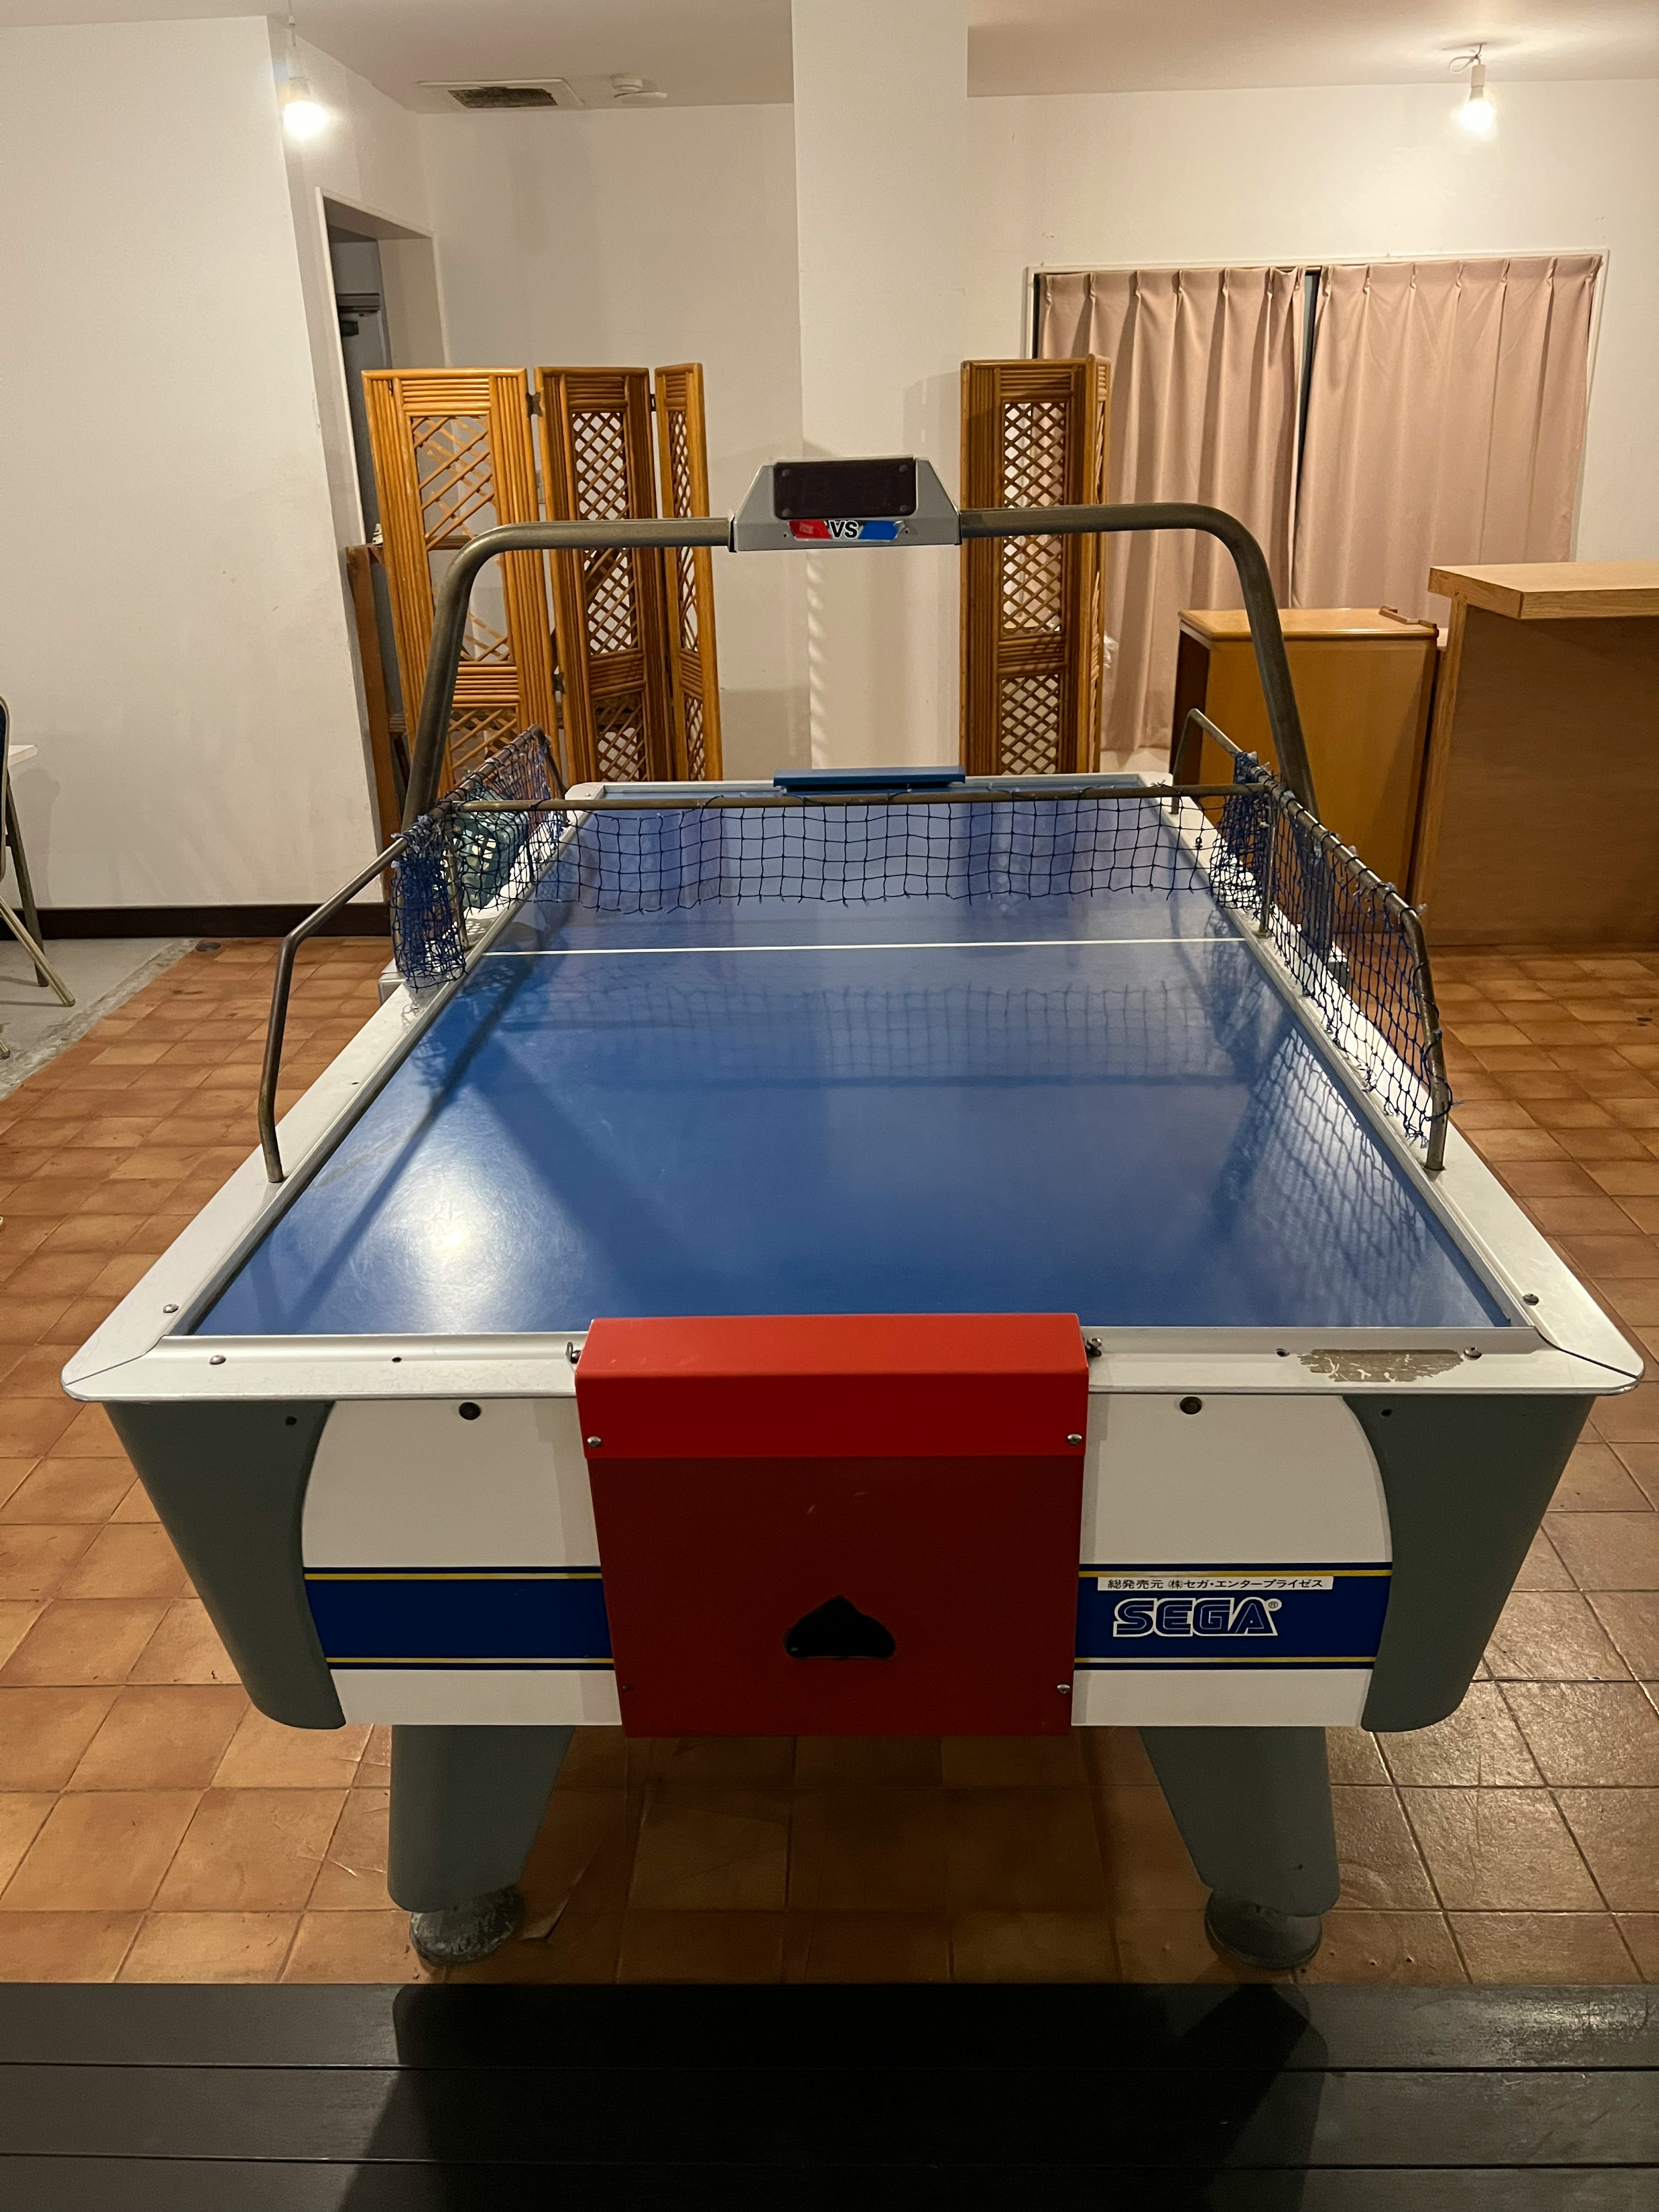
(1445, 424)
(1206, 365)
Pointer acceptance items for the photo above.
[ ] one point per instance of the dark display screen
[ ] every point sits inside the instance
(831, 491)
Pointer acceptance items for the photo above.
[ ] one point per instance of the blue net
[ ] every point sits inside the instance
(1069, 846)
(1350, 942)
(455, 864)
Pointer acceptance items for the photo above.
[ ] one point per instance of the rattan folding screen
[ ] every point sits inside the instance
(454, 454)
(597, 466)
(452, 457)
(1034, 434)
(683, 456)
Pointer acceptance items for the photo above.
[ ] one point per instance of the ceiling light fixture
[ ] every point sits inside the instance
(635, 92)
(303, 114)
(1477, 115)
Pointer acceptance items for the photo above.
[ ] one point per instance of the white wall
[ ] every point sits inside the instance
(879, 189)
(1159, 178)
(172, 629)
(367, 159)
(640, 239)
(652, 236)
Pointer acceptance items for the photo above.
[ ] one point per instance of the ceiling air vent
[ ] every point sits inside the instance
(538, 92)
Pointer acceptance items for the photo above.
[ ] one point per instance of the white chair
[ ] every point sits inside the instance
(24, 928)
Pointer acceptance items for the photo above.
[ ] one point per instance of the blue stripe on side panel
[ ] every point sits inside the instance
(1230, 1616)
(458, 1617)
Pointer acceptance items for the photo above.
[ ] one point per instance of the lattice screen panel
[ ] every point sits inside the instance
(475, 733)
(693, 669)
(453, 456)
(619, 742)
(1034, 434)
(1029, 717)
(608, 606)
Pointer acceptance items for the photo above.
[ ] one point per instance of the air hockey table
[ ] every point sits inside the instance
(890, 1253)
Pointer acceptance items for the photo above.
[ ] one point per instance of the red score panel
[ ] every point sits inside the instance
(841, 1525)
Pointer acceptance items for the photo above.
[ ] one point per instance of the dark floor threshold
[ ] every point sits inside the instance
(209, 2185)
(221, 921)
(1260, 2099)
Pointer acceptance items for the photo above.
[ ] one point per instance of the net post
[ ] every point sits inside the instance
(1440, 1093)
(1196, 719)
(1275, 815)
(445, 821)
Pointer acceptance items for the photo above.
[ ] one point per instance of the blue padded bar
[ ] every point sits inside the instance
(869, 779)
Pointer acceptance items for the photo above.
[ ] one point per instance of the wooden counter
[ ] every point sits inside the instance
(1545, 590)
(1363, 680)
(1540, 819)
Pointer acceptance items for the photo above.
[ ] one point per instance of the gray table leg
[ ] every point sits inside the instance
(1254, 1808)
(466, 1806)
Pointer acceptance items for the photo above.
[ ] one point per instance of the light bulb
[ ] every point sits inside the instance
(303, 116)
(1477, 115)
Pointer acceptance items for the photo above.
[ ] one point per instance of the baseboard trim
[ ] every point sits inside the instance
(366, 920)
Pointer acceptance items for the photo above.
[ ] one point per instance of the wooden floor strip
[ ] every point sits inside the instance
(1109, 2024)
(201, 2186)
(1248, 2099)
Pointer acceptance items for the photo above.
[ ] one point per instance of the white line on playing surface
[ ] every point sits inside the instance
(894, 945)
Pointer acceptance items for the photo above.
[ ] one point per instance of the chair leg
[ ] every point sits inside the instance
(12, 839)
(43, 968)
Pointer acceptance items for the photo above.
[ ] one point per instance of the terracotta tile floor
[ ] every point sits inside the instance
(154, 1827)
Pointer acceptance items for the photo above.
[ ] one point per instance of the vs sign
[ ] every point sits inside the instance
(845, 531)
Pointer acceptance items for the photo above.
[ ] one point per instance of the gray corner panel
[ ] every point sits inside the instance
(1466, 1481)
(229, 1484)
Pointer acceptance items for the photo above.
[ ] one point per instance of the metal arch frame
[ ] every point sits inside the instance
(449, 615)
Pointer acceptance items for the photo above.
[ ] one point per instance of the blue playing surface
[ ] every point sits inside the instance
(1097, 1105)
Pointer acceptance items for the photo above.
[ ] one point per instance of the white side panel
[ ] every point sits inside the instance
(480, 1697)
(1278, 1482)
(410, 1483)
(1212, 1697)
(1244, 1479)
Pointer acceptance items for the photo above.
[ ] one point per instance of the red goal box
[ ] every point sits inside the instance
(839, 1525)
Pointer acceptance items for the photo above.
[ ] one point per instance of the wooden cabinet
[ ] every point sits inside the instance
(1365, 682)
(1541, 809)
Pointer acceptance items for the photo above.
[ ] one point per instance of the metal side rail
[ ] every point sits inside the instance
(278, 1021)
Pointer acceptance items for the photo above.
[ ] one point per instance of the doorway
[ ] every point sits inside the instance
(360, 305)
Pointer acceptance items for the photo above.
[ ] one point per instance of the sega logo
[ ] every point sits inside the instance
(1195, 1616)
